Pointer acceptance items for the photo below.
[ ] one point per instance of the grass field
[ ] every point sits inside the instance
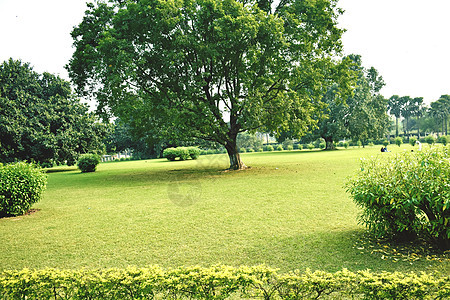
(289, 211)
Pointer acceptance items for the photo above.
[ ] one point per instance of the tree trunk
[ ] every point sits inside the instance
(329, 143)
(418, 129)
(396, 127)
(235, 159)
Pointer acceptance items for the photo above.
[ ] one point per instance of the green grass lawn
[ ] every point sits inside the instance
(289, 211)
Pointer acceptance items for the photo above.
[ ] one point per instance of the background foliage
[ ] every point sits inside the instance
(41, 120)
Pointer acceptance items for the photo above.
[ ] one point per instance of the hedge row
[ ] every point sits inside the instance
(219, 282)
(182, 153)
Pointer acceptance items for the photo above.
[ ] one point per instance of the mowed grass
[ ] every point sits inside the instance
(289, 211)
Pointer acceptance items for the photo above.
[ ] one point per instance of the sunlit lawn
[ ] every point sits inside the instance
(289, 211)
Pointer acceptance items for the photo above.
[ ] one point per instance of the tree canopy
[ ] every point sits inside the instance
(209, 69)
(40, 119)
(361, 116)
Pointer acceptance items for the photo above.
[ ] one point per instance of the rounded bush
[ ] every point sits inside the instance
(406, 195)
(385, 143)
(279, 148)
(269, 148)
(88, 162)
(310, 146)
(443, 140)
(429, 140)
(170, 153)
(194, 152)
(398, 141)
(21, 186)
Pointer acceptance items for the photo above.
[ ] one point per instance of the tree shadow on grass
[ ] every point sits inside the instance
(61, 170)
(331, 251)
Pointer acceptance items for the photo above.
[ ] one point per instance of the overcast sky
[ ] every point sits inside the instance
(407, 41)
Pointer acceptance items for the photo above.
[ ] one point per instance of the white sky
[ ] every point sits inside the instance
(407, 41)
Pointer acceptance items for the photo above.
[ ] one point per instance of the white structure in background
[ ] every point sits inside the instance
(117, 156)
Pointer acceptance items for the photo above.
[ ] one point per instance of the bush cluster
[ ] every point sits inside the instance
(406, 195)
(21, 185)
(183, 153)
(88, 162)
(219, 282)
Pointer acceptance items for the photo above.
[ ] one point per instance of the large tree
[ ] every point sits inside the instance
(360, 116)
(40, 119)
(209, 69)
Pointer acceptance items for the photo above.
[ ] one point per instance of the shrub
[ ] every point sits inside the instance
(260, 150)
(21, 186)
(358, 143)
(385, 143)
(194, 152)
(322, 145)
(242, 150)
(88, 162)
(443, 140)
(429, 140)
(269, 148)
(279, 148)
(398, 141)
(406, 195)
(184, 153)
(299, 147)
(287, 143)
(310, 146)
(290, 147)
(250, 150)
(412, 141)
(219, 282)
(346, 145)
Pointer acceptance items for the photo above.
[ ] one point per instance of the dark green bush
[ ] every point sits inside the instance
(279, 148)
(412, 141)
(88, 162)
(219, 282)
(406, 195)
(269, 148)
(21, 186)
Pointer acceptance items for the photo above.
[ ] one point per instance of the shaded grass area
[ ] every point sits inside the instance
(289, 211)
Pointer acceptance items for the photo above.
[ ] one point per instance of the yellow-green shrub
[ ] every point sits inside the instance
(219, 282)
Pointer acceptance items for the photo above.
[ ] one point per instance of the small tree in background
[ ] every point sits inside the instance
(398, 141)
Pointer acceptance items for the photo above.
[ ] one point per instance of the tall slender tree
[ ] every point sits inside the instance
(395, 105)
